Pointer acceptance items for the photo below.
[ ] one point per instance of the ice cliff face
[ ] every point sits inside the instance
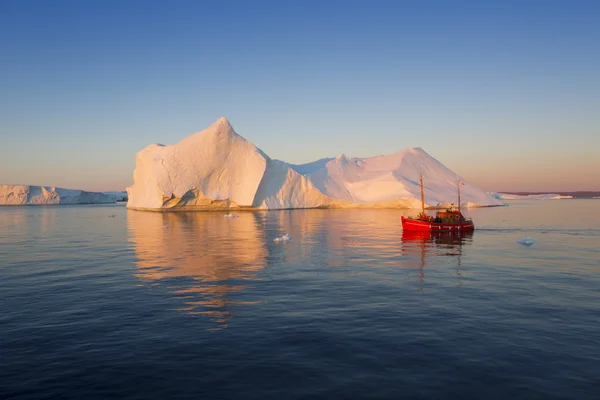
(16, 195)
(217, 168)
(117, 196)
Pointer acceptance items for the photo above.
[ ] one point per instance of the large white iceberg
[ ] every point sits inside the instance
(219, 169)
(15, 195)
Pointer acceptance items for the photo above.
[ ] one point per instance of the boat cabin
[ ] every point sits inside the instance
(449, 216)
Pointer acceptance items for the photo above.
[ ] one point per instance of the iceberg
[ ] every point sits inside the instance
(16, 195)
(543, 196)
(284, 238)
(219, 169)
(118, 196)
(527, 241)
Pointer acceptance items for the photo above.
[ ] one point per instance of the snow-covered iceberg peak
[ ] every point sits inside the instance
(217, 168)
(393, 180)
(218, 132)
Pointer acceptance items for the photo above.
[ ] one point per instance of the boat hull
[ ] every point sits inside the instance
(417, 225)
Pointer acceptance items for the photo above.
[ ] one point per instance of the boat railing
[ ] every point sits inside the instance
(420, 218)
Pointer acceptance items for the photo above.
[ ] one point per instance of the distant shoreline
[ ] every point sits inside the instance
(582, 194)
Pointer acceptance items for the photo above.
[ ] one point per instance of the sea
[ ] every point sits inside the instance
(102, 302)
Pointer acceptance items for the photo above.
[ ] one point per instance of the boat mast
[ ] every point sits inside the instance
(458, 195)
(422, 194)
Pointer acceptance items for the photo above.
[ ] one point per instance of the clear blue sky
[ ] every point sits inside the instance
(505, 93)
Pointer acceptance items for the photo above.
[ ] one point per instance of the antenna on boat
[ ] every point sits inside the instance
(422, 194)
(458, 184)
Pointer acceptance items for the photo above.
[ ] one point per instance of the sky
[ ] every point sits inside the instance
(504, 93)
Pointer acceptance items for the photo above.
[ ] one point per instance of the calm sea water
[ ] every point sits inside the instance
(102, 302)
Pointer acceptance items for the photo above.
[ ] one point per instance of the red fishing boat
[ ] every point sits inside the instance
(448, 220)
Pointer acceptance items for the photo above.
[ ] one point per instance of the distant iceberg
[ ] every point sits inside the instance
(219, 169)
(118, 196)
(546, 196)
(16, 195)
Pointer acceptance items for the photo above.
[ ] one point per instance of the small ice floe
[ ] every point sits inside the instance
(230, 215)
(283, 238)
(527, 241)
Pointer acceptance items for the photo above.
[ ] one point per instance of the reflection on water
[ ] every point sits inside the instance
(336, 238)
(424, 245)
(336, 311)
(208, 262)
(215, 254)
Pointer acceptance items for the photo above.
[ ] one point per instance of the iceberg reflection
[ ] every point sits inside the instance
(208, 262)
(213, 255)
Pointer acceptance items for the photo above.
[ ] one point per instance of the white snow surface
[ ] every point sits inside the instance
(16, 195)
(217, 168)
(546, 196)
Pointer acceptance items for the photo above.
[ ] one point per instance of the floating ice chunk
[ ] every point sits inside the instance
(230, 215)
(527, 241)
(283, 238)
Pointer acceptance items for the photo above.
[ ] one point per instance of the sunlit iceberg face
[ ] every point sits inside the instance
(219, 169)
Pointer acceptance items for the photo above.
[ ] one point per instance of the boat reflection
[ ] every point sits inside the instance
(429, 247)
(203, 259)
